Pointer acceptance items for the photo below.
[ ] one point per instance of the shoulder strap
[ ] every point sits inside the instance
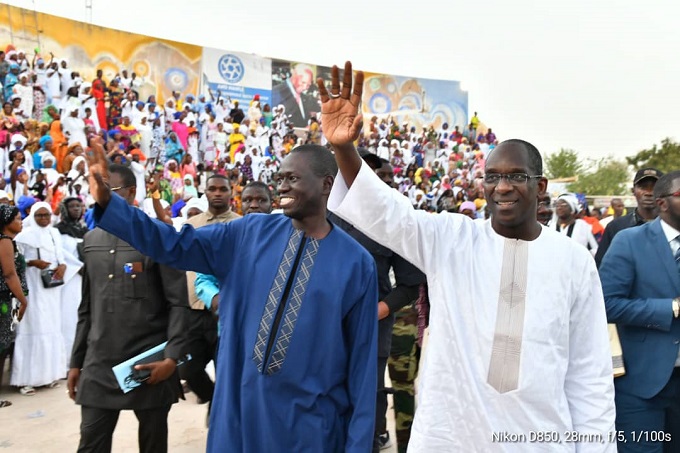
(56, 255)
(570, 230)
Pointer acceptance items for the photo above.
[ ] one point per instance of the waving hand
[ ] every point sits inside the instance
(99, 173)
(340, 108)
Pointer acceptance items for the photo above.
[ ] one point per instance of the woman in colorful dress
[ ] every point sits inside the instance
(115, 100)
(39, 98)
(12, 281)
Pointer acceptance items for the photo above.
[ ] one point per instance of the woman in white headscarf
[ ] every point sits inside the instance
(48, 162)
(73, 126)
(72, 230)
(88, 101)
(39, 355)
(147, 207)
(77, 176)
(383, 150)
(24, 89)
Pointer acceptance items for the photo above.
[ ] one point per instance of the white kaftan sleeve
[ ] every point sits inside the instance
(387, 217)
(589, 383)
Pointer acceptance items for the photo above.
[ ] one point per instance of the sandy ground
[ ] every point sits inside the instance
(49, 422)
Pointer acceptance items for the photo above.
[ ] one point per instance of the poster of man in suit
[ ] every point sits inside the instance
(294, 87)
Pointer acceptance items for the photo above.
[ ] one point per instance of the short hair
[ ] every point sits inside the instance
(535, 159)
(125, 173)
(259, 185)
(664, 185)
(321, 160)
(217, 176)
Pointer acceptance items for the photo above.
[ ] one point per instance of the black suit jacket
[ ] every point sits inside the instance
(122, 314)
(281, 94)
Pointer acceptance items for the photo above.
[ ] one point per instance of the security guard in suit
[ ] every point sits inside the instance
(130, 304)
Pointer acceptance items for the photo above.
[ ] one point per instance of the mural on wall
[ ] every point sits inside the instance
(162, 66)
(165, 66)
(416, 101)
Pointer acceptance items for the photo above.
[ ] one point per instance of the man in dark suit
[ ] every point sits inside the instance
(130, 305)
(641, 282)
(292, 93)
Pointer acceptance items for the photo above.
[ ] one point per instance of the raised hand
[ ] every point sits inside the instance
(154, 184)
(99, 172)
(340, 109)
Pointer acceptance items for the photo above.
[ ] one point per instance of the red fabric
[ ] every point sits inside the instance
(598, 229)
(98, 93)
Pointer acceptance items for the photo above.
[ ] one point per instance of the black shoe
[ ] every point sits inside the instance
(384, 441)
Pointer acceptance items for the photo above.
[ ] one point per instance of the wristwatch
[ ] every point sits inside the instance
(676, 307)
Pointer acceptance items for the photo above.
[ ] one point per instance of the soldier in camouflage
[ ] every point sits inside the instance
(403, 367)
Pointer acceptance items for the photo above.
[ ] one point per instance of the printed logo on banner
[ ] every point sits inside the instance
(231, 68)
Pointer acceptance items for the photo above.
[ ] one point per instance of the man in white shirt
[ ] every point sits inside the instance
(618, 209)
(125, 80)
(128, 105)
(518, 341)
(66, 78)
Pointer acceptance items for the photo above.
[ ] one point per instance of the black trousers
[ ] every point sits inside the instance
(380, 404)
(97, 426)
(202, 342)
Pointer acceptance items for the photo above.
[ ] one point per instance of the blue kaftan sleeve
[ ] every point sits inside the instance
(206, 287)
(208, 250)
(361, 327)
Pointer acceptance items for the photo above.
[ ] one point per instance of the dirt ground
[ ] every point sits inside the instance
(49, 422)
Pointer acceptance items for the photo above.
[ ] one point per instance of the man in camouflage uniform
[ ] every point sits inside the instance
(403, 366)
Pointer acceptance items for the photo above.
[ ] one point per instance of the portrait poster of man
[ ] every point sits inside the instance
(294, 87)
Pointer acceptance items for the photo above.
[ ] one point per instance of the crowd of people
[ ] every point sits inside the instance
(77, 299)
(182, 152)
(50, 114)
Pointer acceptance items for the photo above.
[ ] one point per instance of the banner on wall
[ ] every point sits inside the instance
(294, 87)
(416, 101)
(237, 75)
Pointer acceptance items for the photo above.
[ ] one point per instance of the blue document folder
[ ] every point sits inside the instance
(123, 371)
